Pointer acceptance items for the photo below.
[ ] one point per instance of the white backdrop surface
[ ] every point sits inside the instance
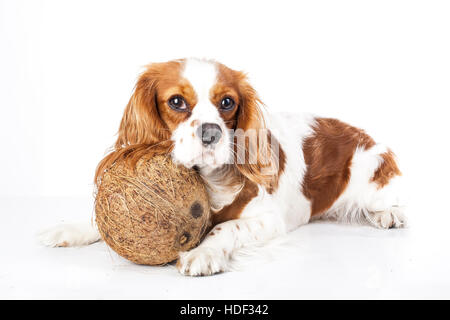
(67, 69)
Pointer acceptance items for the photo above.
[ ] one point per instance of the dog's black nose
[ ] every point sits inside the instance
(209, 133)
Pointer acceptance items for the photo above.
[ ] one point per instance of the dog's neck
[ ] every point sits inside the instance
(223, 184)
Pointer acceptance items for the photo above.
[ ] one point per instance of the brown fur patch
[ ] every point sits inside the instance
(328, 156)
(227, 84)
(220, 91)
(387, 170)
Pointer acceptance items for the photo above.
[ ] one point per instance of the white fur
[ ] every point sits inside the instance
(221, 187)
(216, 251)
(267, 216)
(188, 148)
(69, 235)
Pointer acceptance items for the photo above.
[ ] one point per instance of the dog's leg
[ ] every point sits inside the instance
(392, 217)
(69, 235)
(213, 255)
(374, 192)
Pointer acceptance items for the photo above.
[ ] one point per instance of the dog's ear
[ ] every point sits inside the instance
(141, 131)
(141, 122)
(249, 114)
(254, 155)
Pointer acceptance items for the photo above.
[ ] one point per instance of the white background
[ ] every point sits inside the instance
(67, 69)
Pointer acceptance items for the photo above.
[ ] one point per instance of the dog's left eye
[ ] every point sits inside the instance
(177, 103)
(227, 104)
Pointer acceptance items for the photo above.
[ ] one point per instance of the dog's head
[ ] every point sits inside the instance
(194, 108)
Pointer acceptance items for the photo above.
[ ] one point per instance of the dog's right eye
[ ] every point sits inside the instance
(177, 103)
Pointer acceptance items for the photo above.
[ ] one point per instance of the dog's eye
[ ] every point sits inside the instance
(177, 103)
(227, 104)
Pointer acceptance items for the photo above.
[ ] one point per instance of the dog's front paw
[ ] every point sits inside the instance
(68, 235)
(202, 262)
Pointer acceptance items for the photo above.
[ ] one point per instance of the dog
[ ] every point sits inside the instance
(266, 173)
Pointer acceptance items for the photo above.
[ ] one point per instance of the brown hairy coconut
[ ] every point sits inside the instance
(150, 212)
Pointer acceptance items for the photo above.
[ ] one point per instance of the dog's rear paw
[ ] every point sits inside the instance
(393, 217)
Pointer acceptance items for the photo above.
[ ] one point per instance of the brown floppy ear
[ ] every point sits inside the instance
(141, 122)
(254, 155)
(141, 131)
(249, 114)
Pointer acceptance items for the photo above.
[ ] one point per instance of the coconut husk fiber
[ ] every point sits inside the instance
(151, 212)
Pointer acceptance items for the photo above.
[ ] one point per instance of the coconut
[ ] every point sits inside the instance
(149, 212)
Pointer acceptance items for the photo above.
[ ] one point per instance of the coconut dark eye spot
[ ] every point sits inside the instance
(185, 237)
(196, 210)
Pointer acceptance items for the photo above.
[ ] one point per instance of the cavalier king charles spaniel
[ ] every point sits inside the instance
(266, 174)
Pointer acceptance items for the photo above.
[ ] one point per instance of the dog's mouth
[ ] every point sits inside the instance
(206, 159)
